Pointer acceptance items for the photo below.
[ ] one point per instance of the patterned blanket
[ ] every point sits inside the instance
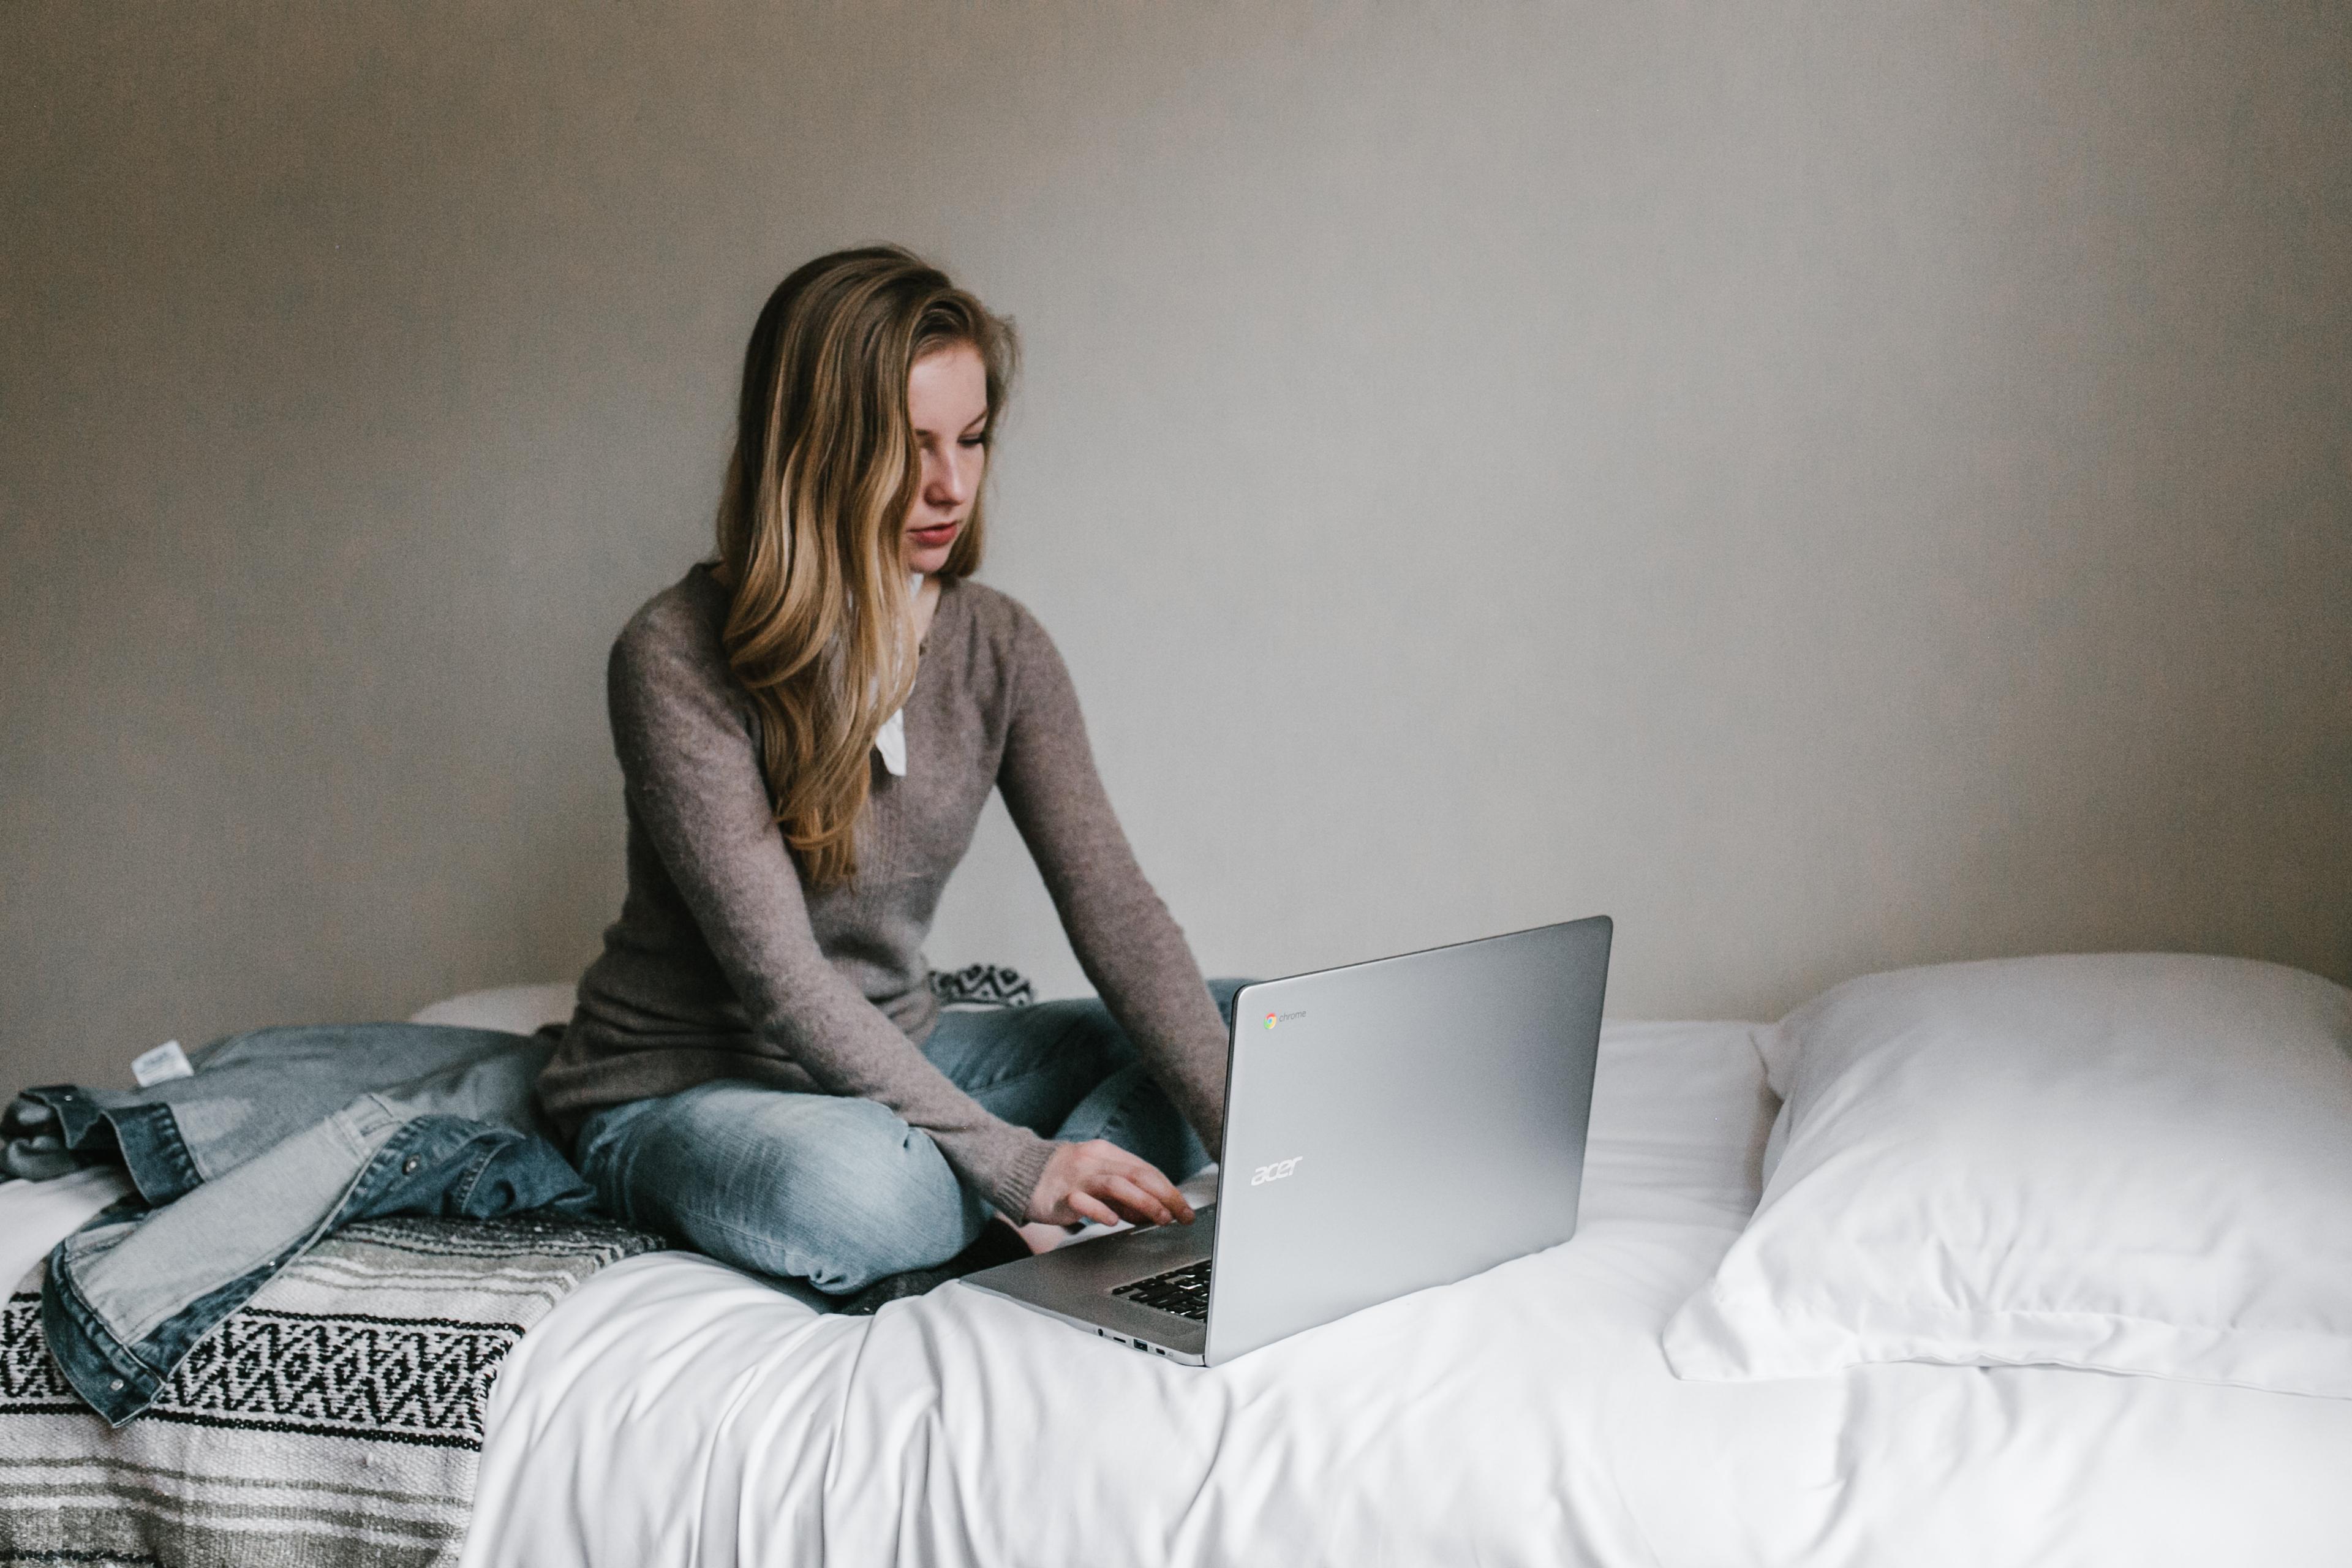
(337, 1418)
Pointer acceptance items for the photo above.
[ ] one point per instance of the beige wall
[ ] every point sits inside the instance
(1834, 486)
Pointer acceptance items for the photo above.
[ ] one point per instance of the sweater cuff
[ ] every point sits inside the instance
(1015, 1183)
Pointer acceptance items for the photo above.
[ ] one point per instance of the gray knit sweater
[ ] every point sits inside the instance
(723, 965)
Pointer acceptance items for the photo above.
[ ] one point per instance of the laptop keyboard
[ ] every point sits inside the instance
(1183, 1292)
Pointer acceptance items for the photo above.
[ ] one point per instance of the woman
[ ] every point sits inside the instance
(808, 728)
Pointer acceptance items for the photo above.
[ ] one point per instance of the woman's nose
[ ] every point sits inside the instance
(949, 484)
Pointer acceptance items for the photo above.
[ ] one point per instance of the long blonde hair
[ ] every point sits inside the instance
(824, 475)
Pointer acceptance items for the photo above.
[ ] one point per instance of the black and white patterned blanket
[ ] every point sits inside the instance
(337, 1418)
(981, 985)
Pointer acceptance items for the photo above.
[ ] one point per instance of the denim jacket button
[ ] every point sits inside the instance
(116, 1385)
(408, 1166)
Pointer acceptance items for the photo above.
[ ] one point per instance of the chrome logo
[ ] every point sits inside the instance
(1269, 1020)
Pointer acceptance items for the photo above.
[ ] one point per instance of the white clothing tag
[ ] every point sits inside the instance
(161, 1065)
(891, 741)
(891, 738)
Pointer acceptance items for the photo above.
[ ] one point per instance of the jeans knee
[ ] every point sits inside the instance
(877, 1199)
(835, 1190)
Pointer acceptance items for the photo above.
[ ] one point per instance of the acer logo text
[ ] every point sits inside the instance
(1274, 1172)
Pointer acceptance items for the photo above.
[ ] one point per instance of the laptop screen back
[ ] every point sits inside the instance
(1402, 1123)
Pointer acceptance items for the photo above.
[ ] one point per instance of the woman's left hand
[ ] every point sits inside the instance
(1101, 1181)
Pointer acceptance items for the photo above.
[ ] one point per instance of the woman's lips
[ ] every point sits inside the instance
(939, 535)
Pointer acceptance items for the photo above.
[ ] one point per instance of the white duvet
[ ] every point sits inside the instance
(674, 1411)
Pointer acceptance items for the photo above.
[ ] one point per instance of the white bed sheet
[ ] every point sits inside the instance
(673, 1411)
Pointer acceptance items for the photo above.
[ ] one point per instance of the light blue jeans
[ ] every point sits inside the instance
(837, 1190)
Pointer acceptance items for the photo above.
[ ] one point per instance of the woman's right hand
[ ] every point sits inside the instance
(1101, 1181)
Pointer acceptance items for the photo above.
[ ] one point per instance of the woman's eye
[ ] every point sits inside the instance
(972, 441)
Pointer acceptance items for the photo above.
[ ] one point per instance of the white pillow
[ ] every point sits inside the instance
(2133, 1163)
(517, 1009)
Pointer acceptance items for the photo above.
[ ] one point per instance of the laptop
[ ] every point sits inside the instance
(1389, 1126)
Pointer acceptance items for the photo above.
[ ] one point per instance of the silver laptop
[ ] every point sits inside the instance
(1389, 1126)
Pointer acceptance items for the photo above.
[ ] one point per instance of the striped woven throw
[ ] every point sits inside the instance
(336, 1418)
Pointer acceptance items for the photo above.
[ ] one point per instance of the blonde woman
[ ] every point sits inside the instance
(808, 728)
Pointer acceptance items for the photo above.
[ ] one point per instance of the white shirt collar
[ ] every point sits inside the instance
(891, 738)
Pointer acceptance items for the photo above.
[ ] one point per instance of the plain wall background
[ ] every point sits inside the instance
(1832, 486)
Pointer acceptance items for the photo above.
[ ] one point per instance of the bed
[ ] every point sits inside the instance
(671, 1410)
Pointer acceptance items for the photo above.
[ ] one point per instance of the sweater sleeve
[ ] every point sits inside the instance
(1129, 946)
(693, 777)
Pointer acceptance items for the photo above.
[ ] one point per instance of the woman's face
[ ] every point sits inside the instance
(947, 396)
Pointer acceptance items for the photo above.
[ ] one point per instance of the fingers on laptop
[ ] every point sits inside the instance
(1100, 1181)
(1137, 1189)
(1093, 1209)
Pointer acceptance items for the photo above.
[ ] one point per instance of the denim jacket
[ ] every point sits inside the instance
(280, 1136)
